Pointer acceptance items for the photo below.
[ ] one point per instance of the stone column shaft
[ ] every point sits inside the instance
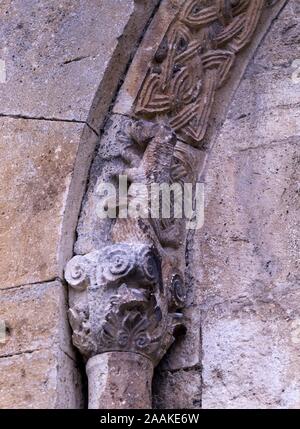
(119, 380)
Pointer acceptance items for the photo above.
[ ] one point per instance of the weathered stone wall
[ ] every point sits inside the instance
(248, 251)
(61, 63)
(245, 260)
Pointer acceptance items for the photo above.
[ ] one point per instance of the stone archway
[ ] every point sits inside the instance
(59, 89)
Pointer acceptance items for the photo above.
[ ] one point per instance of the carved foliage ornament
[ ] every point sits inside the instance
(120, 304)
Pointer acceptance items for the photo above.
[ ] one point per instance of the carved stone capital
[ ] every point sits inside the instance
(120, 301)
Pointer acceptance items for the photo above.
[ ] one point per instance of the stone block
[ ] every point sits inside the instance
(64, 59)
(43, 172)
(35, 318)
(42, 379)
(177, 390)
(251, 227)
(247, 253)
(251, 353)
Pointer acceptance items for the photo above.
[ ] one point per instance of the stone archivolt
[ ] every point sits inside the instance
(129, 296)
(194, 60)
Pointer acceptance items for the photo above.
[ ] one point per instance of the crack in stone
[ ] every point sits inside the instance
(22, 353)
(292, 140)
(43, 118)
(196, 367)
(70, 357)
(288, 106)
(73, 60)
(8, 355)
(271, 110)
(51, 280)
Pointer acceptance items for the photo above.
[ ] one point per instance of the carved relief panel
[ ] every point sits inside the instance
(193, 60)
(129, 295)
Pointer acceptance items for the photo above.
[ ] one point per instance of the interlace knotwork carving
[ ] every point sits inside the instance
(194, 60)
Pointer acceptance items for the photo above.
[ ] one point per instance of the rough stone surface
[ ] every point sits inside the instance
(37, 360)
(38, 159)
(92, 232)
(35, 318)
(245, 263)
(248, 251)
(178, 390)
(251, 352)
(64, 59)
(186, 351)
(38, 380)
(119, 380)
